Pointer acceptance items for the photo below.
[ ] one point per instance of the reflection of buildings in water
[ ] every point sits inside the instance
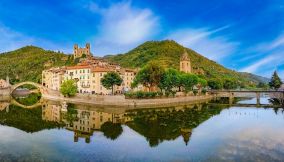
(51, 112)
(88, 121)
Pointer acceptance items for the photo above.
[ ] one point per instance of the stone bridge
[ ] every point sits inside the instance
(231, 94)
(15, 86)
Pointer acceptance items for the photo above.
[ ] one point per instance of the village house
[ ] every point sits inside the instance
(52, 78)
(5, 83)
(88, 74)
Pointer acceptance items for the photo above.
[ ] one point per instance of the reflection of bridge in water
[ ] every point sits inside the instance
(231, 94)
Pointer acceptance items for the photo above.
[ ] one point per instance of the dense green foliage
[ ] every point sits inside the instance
(111, 79)
(153, 75)
(215, 83)
(29, 100)
(27, 63)
(170, 79)
(142, 94)
(167, 124)
(69, 88)
(149, 76)
(275, 81)
(28, 120)
(111, 130)
(167, 53)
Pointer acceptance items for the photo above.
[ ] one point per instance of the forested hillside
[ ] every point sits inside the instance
(167, 53)
(27, 63)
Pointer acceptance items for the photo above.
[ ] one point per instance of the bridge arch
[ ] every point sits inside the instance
(39, 86)
(16, 103)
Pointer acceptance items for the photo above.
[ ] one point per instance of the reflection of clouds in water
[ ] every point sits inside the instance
(241, 134)
(261, 143)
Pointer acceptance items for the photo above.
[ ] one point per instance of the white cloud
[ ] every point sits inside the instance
(123, 27)
(204, 42)
(273, 57)
(259, 64)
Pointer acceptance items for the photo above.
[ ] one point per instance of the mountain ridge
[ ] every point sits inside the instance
(27, 63)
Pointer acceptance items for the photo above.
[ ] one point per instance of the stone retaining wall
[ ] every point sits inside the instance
(120, 101)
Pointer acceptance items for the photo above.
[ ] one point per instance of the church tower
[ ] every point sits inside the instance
(185, 65)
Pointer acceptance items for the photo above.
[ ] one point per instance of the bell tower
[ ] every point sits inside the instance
(185, 65)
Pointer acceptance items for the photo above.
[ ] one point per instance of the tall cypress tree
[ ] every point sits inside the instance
(275, 81)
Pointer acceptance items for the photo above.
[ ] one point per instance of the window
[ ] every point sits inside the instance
(101, 74)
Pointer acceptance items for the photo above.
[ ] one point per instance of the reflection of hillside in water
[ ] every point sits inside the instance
(156, 125)
(28, 120)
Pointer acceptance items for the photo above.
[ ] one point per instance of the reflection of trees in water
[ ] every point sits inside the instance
(29, 100)
(28, 120)
(168, 124)
(71, 114)
(111, 130)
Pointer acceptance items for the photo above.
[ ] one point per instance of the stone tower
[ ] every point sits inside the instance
(185, 65)
(8, 80)
(78, 52)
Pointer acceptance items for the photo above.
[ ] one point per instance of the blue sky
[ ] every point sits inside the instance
(244, 35)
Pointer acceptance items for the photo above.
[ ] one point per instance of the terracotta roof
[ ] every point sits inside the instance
(78, 67)
(101, 69)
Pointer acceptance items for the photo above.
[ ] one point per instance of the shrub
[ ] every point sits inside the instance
(195, 92)
(140, 94)
(153, 94)
(203, 91)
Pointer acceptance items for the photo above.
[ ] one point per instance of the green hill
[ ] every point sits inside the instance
(167, 53)
(27, 63)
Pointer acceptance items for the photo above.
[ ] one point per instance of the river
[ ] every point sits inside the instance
(58, 131)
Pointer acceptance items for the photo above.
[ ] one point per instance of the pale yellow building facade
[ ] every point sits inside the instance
(185, 65)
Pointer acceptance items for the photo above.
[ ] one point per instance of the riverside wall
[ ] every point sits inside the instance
(120, 101)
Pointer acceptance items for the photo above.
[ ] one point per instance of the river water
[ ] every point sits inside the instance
(58, 131)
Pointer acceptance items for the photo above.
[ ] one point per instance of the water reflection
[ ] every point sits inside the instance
(156, 125)
(58, 131)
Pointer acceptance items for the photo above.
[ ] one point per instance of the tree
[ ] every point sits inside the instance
(149, 76)
(69, 88)
(188, 81)
(202, 82)
(275, 81)
(170, 79)
(110, 80)
(230, 84)
(215, 84)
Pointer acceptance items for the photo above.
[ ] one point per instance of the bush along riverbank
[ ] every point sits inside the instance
(159, 94)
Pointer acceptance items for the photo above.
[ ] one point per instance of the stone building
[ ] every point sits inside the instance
(185, 65)
(88, 75)
(79, 52)
(5, 83)
(53, 78)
